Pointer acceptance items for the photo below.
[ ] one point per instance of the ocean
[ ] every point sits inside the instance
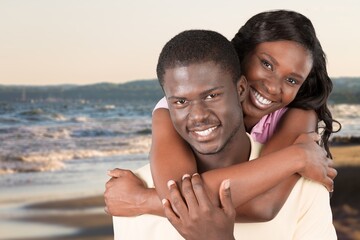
(52, 150)
(56, 143)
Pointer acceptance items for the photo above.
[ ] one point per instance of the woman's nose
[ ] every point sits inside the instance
(273, 86)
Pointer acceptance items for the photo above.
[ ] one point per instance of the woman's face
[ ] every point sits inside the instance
(275, 71)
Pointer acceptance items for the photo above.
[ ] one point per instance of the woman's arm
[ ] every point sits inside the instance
(127, 195)
(293, 123)
(171, 158)
(248, 179)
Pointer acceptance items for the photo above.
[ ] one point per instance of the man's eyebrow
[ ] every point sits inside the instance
(204, 93)
(175, 97)
(211, 90)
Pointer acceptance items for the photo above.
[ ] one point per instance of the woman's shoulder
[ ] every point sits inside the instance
(265, 128)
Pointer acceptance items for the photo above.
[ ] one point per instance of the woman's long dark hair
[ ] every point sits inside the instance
(292, 26)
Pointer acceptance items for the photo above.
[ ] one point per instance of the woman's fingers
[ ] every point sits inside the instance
(169, 213)
(332, 173)
(188, 193)
(117, 172)
(177, 202)
(225, 199)
(200, 192)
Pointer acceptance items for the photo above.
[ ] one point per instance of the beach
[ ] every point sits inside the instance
(84, 218)
(55, 155)
(70, 208)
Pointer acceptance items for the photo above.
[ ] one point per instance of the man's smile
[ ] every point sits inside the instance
(206, 132)
(203, 134)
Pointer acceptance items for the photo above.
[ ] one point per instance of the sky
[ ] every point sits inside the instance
(50, 42)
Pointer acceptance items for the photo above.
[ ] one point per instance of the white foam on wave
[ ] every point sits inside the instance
(51, 160)
(79, 119)
(345, 110)
(58, 117)
(7, 167)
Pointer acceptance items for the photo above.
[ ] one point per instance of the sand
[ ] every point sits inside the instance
(345, 201)
(97, 225)
(91, 224)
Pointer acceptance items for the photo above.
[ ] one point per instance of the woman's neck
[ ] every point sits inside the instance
(250, 122)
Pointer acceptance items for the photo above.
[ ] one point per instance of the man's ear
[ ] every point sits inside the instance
(242, 88)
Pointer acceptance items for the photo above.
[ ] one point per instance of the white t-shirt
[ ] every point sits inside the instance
(306, 215)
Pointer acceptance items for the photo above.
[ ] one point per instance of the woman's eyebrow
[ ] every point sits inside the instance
(271, 58)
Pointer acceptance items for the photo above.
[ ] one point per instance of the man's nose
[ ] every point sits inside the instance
(198, 111)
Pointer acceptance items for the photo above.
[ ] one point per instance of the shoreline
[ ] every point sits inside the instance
(72, 219)
(87, 219)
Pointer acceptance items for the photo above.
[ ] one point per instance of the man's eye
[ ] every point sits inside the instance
(210, 96)
(180, 102)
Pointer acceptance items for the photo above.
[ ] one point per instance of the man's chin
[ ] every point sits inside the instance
(206, 151)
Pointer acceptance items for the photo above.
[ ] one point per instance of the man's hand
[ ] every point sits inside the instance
(124, 193)
(318, 167)
(193, 214)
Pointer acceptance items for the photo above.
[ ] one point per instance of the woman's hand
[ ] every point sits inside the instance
(126, 195)
(318, 167)
(193, 214)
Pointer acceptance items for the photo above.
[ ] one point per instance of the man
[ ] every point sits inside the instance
(199, 73)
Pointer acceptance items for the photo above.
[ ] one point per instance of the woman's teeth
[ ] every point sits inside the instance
(261, 99)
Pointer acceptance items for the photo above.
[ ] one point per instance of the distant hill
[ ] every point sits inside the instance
(346, 90)
(144, 90)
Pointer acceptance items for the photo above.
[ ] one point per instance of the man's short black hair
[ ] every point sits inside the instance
(196, 46)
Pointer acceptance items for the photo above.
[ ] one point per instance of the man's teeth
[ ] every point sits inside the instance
(205, 132)
(261, 99)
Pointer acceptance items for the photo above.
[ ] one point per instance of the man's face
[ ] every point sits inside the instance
(204, 105)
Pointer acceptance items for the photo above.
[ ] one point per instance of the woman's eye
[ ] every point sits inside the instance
(267, 64)
(292, 81)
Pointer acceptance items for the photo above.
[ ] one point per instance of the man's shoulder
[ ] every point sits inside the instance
(311, 194)
(255, 147)
(144, 173)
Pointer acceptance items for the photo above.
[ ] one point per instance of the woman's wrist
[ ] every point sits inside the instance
(150, 203)
(298, 157)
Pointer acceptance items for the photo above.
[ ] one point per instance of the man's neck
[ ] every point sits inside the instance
(237, 150)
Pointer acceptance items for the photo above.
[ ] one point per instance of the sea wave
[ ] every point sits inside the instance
(7, 167)
(51, 160)
(107, 107)
(79, 119)
(9, 120)
(32, 112)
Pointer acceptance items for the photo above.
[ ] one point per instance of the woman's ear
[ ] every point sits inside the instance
(242, 88)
